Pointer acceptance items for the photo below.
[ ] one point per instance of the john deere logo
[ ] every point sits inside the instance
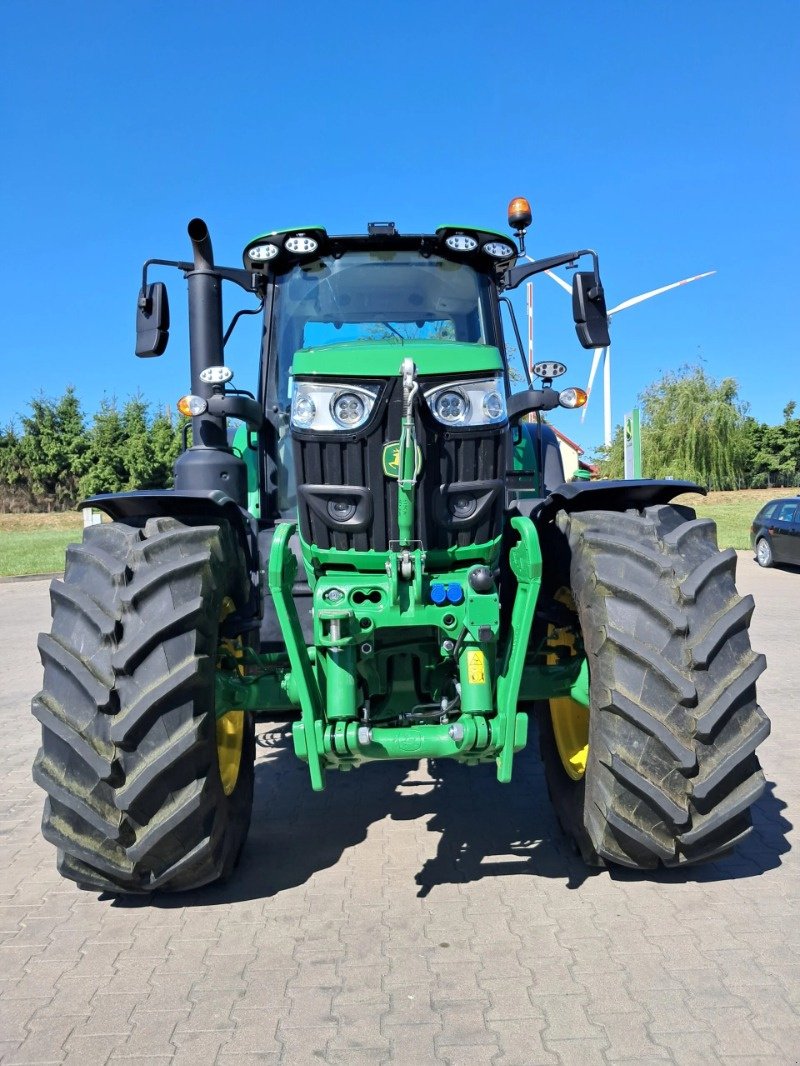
(391, 459)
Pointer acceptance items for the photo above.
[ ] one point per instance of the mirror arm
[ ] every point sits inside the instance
(514, 276)
(157, 262)
(248, 280)
(524, 403)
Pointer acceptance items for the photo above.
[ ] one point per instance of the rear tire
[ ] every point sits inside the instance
(129, 759)
(673, 719)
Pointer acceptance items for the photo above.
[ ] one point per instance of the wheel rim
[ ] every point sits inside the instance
(230, 737)
(230, 726)
(570, 719)
(571, 729)
(762, 551)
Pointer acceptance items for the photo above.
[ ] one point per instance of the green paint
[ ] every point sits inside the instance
(281, 573)
(525, 559)
(281, 232)
(382, 359)
(364, 562)
(245, 444)
(632, 445)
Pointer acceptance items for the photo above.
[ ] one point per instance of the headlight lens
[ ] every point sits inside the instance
(263, 252)
(300, 245)
(322, 407)
(478, 402)
(498, 249)
(348, 410)
(451, 407)
(461, 242)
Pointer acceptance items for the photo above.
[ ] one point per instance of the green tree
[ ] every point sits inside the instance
(104, 466)
(165, 435)
(692, 429)
(14, 482)
(53, 445)
(773, 457)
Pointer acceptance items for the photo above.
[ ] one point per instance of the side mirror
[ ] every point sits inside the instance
(152, 320)
(589, 310)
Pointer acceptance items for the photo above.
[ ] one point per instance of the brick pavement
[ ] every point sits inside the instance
(407, 916)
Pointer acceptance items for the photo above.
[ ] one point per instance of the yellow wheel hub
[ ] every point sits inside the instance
(230, 735)
(230, 726)
(571, 729)
(570, 719)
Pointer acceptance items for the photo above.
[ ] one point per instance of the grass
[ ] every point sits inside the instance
(35, 543)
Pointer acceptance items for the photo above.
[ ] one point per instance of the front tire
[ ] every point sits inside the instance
(764, 556)
(673, 720)
(130, 758)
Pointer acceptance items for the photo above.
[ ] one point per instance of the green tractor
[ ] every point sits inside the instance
(386, 552)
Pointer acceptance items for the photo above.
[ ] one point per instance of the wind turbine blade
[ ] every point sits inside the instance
(657, 292)
(598, 355)
(559, 281)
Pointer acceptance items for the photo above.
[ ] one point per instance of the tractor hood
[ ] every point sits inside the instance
(383, 358)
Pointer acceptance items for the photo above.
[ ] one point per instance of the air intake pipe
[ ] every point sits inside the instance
(205, 331)
(209, 464)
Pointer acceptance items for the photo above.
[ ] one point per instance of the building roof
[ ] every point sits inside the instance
(567, 441)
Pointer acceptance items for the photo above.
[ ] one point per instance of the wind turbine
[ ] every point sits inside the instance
(605, 353)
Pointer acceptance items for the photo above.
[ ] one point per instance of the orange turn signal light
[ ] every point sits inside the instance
(191, 405)
(572, 397)
(519, 213)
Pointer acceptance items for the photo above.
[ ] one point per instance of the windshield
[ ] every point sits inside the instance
(379, 296)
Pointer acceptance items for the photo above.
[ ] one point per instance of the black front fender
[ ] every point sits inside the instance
(612, 496)
(137, 507)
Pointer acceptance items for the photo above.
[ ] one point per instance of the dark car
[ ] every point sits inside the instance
(775, 532)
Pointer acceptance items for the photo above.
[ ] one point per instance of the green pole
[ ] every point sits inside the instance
(632, 444)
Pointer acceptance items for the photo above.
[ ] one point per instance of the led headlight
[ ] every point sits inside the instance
(498, 249)
(461, 242)
(304, 410)
(216, 375)
(260, 253)
(451, 406)
(480, 402)
(300, 245)
(321, 407)
(348, 410)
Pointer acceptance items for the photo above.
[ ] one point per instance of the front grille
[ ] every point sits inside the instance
(325, 463)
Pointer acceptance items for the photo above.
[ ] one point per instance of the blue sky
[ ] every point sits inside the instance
(664, 135)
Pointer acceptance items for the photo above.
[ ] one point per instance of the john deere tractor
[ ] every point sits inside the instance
(386, 552)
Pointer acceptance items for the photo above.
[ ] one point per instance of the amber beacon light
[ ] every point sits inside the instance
(519, 214)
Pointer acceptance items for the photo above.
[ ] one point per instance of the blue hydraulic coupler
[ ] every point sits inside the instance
(438, 593)
(455, 593)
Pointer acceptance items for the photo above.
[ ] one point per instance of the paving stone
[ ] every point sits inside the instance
(151, 1034)
(690, 1049)
(360, 1025)
(412, 1043)
(465, 1024)
(585, 1052)
(306, 1045)
(628, 1038)
(45, 1040)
